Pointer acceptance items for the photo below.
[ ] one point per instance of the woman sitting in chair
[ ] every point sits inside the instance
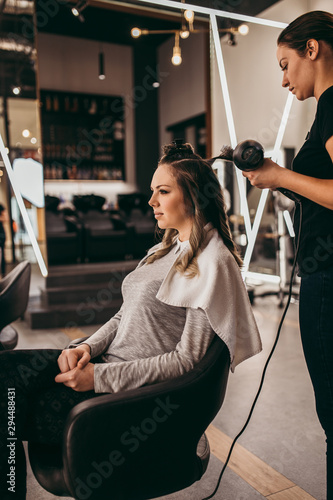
(187, 289)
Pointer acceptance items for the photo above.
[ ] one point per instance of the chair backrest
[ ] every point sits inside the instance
(131, 201)
(14, 293)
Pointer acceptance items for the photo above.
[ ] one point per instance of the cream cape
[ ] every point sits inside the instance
(220, 291)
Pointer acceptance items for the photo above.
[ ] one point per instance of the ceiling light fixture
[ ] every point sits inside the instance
(184, 33)
(177, 54)
(243, 29)
(189, 15)
(16, 90)
(101, 71)
(136, 32)
(78, 8)
(231, 39)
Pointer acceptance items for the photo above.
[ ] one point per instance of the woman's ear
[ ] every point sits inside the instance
(313, 48)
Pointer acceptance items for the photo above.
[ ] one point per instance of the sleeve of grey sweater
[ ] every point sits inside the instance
(195, 340)
(102, 338)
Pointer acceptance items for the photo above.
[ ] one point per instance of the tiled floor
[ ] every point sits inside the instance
(282, 453)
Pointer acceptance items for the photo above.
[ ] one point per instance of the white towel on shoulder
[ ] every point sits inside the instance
(219, 290)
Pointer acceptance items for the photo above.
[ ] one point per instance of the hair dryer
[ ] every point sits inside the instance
(247, 156)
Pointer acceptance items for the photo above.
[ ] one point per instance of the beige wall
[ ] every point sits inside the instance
(182, 90)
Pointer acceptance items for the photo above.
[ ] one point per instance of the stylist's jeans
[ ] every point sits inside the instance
(32, 407)
(316, 322)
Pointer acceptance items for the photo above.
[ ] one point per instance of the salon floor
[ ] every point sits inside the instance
(281, 455)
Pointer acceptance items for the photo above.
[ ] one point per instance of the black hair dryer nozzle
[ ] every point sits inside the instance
(249, 155)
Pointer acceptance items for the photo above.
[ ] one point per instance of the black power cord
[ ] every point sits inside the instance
(267, 361)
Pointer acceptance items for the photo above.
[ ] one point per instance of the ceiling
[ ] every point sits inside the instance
(103, 20)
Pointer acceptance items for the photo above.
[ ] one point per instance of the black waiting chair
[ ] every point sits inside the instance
(104, 239)
(137, 444)
(14, 295)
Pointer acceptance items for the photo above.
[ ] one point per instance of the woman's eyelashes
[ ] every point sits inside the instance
(161, 191)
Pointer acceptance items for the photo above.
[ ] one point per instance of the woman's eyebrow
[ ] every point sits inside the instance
(157, 187)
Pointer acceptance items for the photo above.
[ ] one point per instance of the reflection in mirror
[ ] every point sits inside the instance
(20, 131)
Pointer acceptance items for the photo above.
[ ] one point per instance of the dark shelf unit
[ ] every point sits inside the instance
(83, 136)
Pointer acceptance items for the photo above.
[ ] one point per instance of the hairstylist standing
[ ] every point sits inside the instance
(305, 55)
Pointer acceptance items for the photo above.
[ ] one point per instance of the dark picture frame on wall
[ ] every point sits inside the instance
(83, 136)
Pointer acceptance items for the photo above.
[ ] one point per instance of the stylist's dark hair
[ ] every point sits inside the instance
(204, 200)
(317, 25)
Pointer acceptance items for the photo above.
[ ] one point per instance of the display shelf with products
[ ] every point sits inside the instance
(83, 136)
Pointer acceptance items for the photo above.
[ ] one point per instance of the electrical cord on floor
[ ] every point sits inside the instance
(267, 361)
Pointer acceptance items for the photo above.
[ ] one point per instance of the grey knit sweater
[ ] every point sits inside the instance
(148, 341)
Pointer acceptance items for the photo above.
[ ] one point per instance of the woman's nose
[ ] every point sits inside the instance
(152, 201)
(285, 81)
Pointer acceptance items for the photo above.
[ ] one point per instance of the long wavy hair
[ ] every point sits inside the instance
(317, 24)
(203, 198)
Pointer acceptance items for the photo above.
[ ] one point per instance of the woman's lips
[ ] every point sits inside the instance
(158, 214)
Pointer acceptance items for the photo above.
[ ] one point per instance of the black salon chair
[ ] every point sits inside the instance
(106, 238)
(14, 295)
(137, 444)
(63, 234)
(138, 215)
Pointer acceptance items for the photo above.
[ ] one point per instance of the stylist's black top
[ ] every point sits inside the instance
(316, 240)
